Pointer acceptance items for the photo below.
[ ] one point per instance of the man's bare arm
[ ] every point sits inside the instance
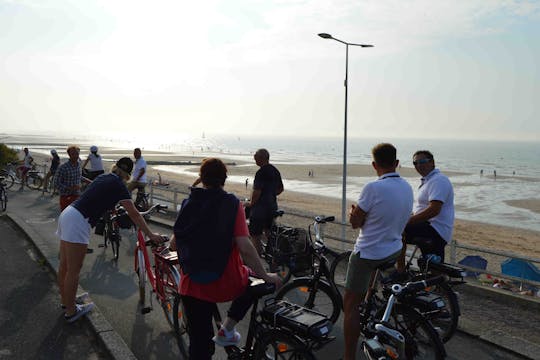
(431, 211)
(357, 217)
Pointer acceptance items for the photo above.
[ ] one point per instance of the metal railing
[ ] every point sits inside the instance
(294, 217)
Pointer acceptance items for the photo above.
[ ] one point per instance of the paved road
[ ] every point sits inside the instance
(31, 321)
(113, 287)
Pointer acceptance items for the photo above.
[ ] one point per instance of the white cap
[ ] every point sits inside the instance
(93, 148)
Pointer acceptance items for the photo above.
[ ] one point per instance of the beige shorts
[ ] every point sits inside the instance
(359, 271)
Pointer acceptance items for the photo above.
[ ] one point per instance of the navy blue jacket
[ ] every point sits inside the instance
(204, 231)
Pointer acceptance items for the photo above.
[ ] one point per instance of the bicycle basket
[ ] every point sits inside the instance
(298, 319)
(100, 226)
(122, 218)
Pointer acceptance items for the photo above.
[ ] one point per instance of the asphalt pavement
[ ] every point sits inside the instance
(492, 326)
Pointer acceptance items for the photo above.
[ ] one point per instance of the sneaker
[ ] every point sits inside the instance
(79, 300)
(224, 339)
(81, 310)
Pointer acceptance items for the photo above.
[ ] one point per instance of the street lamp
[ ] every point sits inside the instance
(344, 186)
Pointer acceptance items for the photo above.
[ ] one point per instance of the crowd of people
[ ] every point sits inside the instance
(217, 250)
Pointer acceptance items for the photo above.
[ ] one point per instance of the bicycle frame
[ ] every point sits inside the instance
(159, 263)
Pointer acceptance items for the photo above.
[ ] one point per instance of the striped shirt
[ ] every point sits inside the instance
(67, 176)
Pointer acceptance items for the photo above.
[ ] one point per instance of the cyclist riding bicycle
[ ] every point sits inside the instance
(55, 162)
(96, 164)
(27, 164)
(431, 225)
(213, 243)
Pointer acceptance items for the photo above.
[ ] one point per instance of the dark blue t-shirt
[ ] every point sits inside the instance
(268, 180)
(101, 195)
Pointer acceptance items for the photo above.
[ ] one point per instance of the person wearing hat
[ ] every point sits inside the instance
(96, 164)
(55, 162)
(74, 226)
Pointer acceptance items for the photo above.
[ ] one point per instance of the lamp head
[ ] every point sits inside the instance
(325, 36)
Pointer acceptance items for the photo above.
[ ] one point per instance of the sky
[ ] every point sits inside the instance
(439, 69)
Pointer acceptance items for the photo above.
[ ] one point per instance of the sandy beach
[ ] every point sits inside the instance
(482, 235)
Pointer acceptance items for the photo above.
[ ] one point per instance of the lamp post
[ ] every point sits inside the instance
(344, 183)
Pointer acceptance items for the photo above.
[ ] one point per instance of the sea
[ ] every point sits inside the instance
(471, 165)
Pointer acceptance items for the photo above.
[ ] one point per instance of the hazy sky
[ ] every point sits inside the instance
(459, 69)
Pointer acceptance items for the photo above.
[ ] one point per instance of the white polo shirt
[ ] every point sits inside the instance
(140, 163)
(388, 203)
(437, 186)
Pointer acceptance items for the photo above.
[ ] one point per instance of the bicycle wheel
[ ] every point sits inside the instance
(338, 271)
(141, 273)
(280, 344)
(179, 319)
(8, 179)
(3, 199)
(141, 203)
(421, 340)
(34, 181)
(446, 320)
(168, 277)
(317, 296)
(115, 243)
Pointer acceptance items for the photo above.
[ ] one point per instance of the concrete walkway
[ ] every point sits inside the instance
(498, 318)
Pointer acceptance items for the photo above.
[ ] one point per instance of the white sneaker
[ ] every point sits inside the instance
(81, 310)
(79, 300)
(224, 339)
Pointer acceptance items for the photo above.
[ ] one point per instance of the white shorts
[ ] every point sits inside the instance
(73, 227)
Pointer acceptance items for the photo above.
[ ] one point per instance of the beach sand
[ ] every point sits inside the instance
(482, 235)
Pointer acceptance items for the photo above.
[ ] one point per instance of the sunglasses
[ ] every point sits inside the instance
(421, 161)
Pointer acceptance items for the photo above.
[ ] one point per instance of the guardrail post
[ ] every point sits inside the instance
(175, 201)
(151, 194)
(43, 182)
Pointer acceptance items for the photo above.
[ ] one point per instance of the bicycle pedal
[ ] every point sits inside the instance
(146, 310)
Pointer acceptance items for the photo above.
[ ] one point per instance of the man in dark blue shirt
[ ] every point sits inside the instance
(266, 187)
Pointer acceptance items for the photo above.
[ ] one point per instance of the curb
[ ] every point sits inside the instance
(107, 336)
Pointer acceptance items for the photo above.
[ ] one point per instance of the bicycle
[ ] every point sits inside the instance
(3, 194)
(443, 315)
(163, 276)
(397, 330)
(109, 226)
(316, 291)
(33, 178)
(285, 250)
(280, 330)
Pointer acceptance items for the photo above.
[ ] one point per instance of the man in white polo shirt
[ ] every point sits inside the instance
(432, 224)
(138, 179)
(382, 211)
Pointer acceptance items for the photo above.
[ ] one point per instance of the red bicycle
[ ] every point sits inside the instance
(163, 276)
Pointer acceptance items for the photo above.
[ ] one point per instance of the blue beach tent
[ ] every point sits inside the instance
(474, 261)
(521, 269)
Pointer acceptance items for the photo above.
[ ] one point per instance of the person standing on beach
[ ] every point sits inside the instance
(431, 225)
(382, 211)
(267, 185)
(138, 180)
(68, 180)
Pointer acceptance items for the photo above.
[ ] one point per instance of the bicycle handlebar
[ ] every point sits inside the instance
(413, 287)
(155, 208)
(321, 219)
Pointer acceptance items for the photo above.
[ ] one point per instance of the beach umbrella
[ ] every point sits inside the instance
(474, 261)
(521, 269)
